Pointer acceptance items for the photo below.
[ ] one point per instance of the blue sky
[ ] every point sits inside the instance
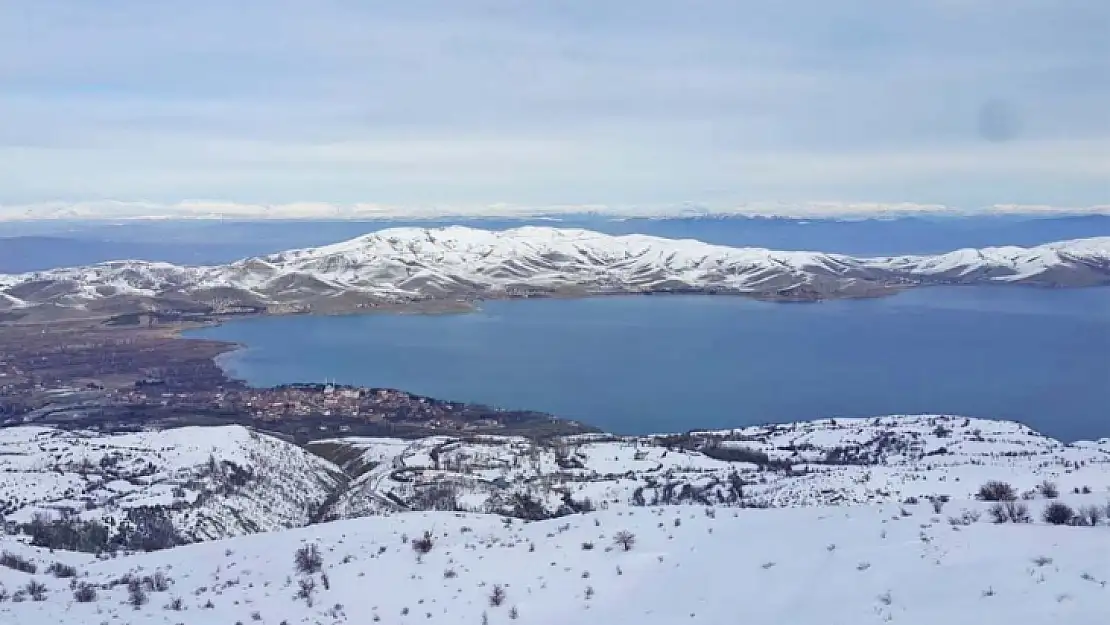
(454, 103)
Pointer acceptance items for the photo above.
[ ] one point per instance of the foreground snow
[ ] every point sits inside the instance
(403, 264)
(869, 564)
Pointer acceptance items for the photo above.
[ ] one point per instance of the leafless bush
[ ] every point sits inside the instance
(308, 559)
(36, 590)
(19, 563)
(997, 491)
(84, 593)
(497, 595)
(1057, 513)
(424, 544)
(157, 582)
(306, 590)
(175, 604)
(1010, 511)
(59, 569)
(136, 596)
(1089, 516)
(624, 539)
(1049, 490)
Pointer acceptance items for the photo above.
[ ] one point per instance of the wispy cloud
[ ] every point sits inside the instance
(477, 104)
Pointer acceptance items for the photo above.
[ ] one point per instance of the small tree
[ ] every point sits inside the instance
(1049, 490)
(1089, 516)
(1057, 513)
(423, 545)
(997, 491)
(59, 569)
(624, 539)
(307, 588)
(497, 595)
(136, 596)
(36, 590)
(84, 593)
(308, 559)
(1017, 512)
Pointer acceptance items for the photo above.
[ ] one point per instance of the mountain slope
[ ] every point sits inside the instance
(212, 482)
(456, 263)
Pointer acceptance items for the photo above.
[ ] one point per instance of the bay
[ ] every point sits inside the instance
(636, 365)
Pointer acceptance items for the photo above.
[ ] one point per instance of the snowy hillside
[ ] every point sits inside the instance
(827, 462)
(211, 482)
(406, 264)
(683, 564)
(227, 481)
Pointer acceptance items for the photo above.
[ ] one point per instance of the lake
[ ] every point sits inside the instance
(635, 365)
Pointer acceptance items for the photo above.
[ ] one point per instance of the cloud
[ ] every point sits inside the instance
(214, 209)
(496, 103)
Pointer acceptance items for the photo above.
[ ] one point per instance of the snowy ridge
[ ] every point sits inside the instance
(214, 482)
(406, 264)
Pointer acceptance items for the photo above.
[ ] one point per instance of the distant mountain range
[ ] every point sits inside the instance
(401, 266)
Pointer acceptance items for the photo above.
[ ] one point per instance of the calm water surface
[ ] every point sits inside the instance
(655, 364)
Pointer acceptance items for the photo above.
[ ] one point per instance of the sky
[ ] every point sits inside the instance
(337, 107)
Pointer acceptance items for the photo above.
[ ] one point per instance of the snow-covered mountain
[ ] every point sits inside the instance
(457, 263)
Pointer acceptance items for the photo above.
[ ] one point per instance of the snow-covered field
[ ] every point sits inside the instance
(851, 565)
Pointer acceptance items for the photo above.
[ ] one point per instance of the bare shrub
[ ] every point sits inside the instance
(1017, 512)
(36, 590)
(175, 604)
(157, 582)
(624, 539)
(308, 559)
(497, 595)
(136, 596)
(306, 590)
(424, 544)
(1057, 513)
(1089, 516)
(995, 490)
(59, 569)
(1049, 490)
(19, 563)
(84, 593)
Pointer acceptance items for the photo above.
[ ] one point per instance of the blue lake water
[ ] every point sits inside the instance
(672, 363)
